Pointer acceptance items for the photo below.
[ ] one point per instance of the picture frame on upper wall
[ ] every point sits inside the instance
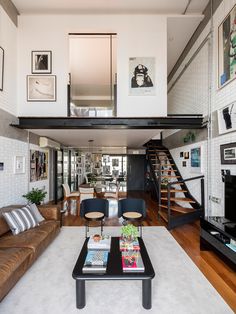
(142, 76)
(41, 62)
(228, 154)
(227, 118)
(41, 88)
(227, 49)
(1, 68)
(196, 159)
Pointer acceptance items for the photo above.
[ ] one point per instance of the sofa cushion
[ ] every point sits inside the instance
(36, 239)
(20, 220)
(13, 264)
(35, 212)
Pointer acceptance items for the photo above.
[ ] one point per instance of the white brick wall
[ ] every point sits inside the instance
(190, 95)
(13, 186)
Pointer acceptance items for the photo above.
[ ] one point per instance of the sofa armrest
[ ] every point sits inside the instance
(50, 212)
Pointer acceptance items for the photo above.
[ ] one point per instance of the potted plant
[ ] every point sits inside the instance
(35, 196)
(129, 232)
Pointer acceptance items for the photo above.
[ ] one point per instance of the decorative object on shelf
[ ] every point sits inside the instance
(41, 62)
(227, 118)
(129, 232)
(35, 196)
(189, 137)
(142, 76)
(227, 49)
(19, 164)
(228, 153)
(1, 67)
(196, 159)
(41, 87)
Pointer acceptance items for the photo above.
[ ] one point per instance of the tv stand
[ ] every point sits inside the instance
(215, 234)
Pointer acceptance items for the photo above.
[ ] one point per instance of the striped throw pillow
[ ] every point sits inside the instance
(20, 220)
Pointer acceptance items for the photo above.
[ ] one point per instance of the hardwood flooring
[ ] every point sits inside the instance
(215, 270)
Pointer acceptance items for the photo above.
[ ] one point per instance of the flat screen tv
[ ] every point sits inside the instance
(230, 198)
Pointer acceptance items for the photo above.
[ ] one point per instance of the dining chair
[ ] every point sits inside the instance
(94, 209)
(86, 193)
(132, 209)
(68, 194)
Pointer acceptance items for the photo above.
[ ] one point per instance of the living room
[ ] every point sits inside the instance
(195, 87)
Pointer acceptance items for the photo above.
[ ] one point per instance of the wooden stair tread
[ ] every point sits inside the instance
(164, 176)
(173, 190)
(179, 209)
(179, 199)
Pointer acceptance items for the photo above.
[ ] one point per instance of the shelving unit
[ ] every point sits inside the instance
(215, 234)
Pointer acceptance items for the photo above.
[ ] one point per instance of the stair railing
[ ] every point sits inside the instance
(169, 186)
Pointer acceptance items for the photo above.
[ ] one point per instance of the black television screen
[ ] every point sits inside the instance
(230, 197)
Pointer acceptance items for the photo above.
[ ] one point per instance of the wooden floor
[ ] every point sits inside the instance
(216, 271)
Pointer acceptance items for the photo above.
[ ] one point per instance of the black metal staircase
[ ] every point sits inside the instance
(176, 205)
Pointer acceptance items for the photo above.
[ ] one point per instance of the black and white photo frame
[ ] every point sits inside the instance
(41, 87)
(41, 62)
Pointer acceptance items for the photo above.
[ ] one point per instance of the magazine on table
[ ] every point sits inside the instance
(98, 242)
(132, 261)
(96, 261)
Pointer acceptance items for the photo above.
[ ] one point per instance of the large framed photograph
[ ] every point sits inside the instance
(227, 49)
(142, 76)
(1, 67)
(41, 62)
(227, 118)
(41, 88)
(228, 153)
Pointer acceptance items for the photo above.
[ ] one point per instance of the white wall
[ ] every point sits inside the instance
(8, 41)
(12, 186)
(192, 88)
(137, 36)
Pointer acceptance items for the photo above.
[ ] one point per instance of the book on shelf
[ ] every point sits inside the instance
(132, 261)
(129, 245)
(98, 242)
(95, 261)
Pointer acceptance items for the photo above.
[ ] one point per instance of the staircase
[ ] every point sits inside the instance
(176, 205)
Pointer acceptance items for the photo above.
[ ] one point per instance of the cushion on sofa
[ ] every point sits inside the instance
(13, 264)
(20, 220)
(35, 212)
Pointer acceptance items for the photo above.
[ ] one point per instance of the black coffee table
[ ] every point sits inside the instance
(114, 272)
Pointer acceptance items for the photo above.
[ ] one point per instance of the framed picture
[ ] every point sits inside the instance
(1, 67)
(184, 163)
(41, 87)
(195, 154)
(141, 76)
(181, 154)
(19, 164)
(186, 155)
(226, 49)
(41, 62)
(228, 153)
(227, 118)
(38, 165)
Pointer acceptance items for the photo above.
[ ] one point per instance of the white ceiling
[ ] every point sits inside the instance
(180, 29)
(101, 138)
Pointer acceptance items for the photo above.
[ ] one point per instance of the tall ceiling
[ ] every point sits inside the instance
(184, 17)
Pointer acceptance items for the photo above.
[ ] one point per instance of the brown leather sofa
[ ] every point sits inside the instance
(18, 252)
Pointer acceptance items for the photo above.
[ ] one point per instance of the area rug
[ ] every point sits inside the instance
(178, 287)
